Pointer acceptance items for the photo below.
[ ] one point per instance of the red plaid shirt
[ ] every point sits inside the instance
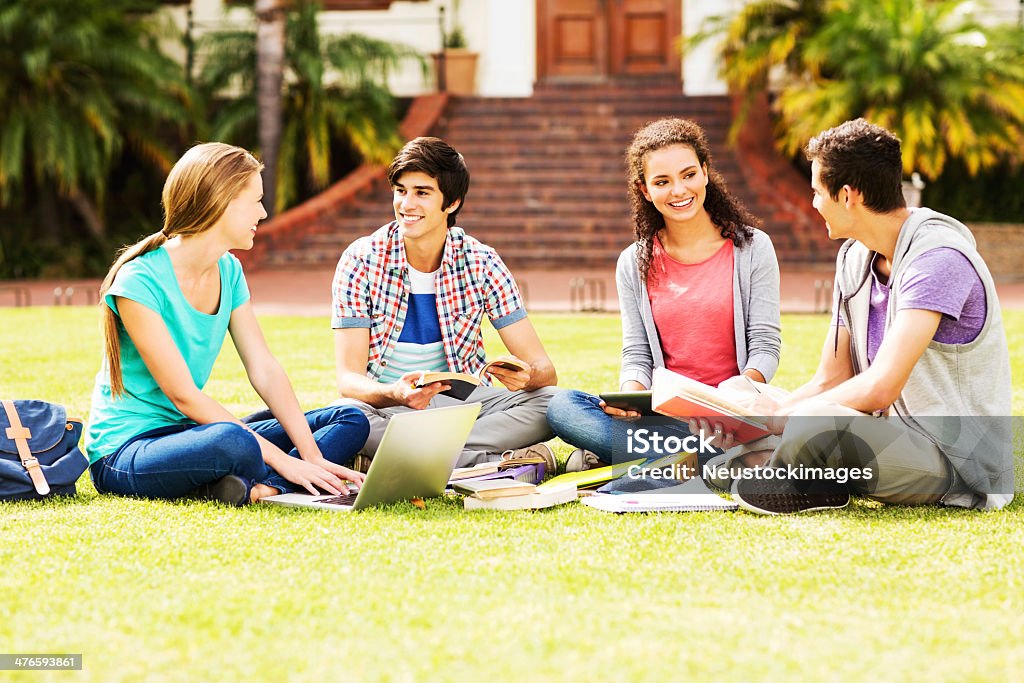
(371, 289)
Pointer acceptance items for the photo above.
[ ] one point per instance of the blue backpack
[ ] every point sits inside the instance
(39, 454)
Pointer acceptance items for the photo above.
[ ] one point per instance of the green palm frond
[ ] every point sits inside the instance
(948, 85)
(235, 121)
(228, 58)
(79, 78)
(764, 34)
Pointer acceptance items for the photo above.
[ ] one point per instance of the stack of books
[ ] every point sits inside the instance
(510, 494)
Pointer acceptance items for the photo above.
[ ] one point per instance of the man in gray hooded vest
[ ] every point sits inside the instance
(913, 384)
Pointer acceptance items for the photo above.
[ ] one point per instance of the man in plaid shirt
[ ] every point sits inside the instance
(410, 298)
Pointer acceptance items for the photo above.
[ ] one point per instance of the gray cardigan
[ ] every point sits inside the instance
(755, 306)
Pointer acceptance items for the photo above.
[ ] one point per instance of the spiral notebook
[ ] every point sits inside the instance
(691, 496)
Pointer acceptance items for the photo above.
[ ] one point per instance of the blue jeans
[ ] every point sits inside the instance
(171, 462)
(578, 419)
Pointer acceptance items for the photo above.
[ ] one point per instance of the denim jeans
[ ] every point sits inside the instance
(171, 462)
(578, 419)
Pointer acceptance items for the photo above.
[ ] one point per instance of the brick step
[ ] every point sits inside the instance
(626, 102)
(526, 148)
(548, 179)
(628, 84)
(569, 239)
(571, 112)
(511, 200)
(598, 164)
(518, 226)
(553, 141)
(584, 125)
(604, 175)
(529, 149)
(517, 258)
(518, 255)
(512, 211)
(498, 239)
(531, 206)
(537, 200)
(527, 258)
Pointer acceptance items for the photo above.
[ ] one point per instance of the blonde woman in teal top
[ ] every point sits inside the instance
(168, 303)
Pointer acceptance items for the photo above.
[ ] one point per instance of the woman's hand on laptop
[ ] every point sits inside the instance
(309, 476)
(406, 393)
(343, 473)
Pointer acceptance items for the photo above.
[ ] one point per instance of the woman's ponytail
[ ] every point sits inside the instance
(111, 338)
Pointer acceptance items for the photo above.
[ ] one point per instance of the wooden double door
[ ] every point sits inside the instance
(593, 40)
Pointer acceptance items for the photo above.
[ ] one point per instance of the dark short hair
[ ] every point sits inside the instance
(864, 156)
(440, 161)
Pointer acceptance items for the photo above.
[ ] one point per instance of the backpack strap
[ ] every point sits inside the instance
(20, 436)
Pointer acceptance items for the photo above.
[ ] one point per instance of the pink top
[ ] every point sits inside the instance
(693, 311)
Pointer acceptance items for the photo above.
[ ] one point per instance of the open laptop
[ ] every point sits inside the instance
(415, 458)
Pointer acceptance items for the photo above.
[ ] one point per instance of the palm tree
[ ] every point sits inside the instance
(763, 35)
(270, 40)
(79, 79)
(333, 87)
(949, 86)
(946, 84)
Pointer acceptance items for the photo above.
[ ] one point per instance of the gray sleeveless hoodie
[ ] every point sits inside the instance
(958, 395)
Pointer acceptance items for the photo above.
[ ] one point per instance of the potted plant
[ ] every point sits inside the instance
(456, 62)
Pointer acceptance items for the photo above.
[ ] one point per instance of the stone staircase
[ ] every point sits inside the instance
(548, 180)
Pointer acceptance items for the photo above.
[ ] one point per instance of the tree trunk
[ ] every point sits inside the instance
(88, 212)
(270, 31)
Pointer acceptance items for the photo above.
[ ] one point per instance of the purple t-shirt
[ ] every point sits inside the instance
(941, 280)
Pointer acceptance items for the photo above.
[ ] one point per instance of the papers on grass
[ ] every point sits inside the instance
(690, 496)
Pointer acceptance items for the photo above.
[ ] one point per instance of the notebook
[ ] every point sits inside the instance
(415, 457)
(690, 496)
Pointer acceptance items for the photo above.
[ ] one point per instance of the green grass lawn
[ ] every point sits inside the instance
(197, 591)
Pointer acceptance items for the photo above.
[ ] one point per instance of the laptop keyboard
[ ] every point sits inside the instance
(344, 499)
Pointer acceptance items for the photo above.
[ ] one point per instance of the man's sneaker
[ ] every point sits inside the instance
(230, 490)
(582, 459)
(784, 497)
(537, 451)
(361, 463)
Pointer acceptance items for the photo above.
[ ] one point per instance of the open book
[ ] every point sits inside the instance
(462, 383)
(675, 395)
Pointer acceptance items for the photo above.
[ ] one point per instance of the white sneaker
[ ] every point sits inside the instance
(537, 450)
(582, 459)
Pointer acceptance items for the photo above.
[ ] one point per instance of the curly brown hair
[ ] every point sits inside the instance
(726, 212)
